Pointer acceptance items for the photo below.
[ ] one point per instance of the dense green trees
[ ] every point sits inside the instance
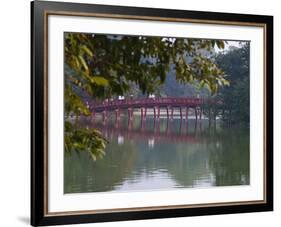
(235, 106)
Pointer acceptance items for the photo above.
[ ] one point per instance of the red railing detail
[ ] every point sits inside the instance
(146, 102)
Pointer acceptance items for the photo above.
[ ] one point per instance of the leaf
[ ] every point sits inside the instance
(224, 81)
(87, 50)
(99, 80)
(83, 62)
(93, 157)
(76, 62)
(220, 44)
(201, 84)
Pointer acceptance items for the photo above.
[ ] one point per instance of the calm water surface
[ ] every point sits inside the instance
(155, 155)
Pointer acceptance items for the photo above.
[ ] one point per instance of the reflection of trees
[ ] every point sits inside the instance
(190, 165)
(224, 154)
(186, 163)
(88, 176)
(218, 157)
(230, 157)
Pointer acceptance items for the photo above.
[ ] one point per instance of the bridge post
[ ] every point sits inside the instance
(154, 112)
(200, 114)
(196, 117)
(172, 113)
(158, 114)
(181, 113)
(186, 114)
(141, 113)
(167, 112)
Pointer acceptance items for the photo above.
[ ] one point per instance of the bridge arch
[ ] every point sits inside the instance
(169, 104)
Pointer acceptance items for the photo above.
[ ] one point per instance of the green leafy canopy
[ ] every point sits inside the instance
(106, 65)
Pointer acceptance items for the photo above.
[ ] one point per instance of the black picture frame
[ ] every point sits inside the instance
(39, 125)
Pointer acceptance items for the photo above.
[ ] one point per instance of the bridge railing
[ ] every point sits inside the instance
(148, 101)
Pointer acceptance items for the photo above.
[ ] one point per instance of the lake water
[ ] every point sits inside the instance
(160, 155)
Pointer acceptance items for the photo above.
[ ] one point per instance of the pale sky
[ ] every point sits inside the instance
(229, 44)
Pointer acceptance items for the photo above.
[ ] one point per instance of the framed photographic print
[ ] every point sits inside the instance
(142, 113)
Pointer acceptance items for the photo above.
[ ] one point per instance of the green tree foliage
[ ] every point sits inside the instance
(106, 65)
(103, 66)
(235, 98)
(84, 139)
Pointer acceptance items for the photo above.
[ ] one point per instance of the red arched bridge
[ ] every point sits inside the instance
(156, 104)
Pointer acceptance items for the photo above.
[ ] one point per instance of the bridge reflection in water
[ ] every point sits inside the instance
(162, 131)
(150, 130)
